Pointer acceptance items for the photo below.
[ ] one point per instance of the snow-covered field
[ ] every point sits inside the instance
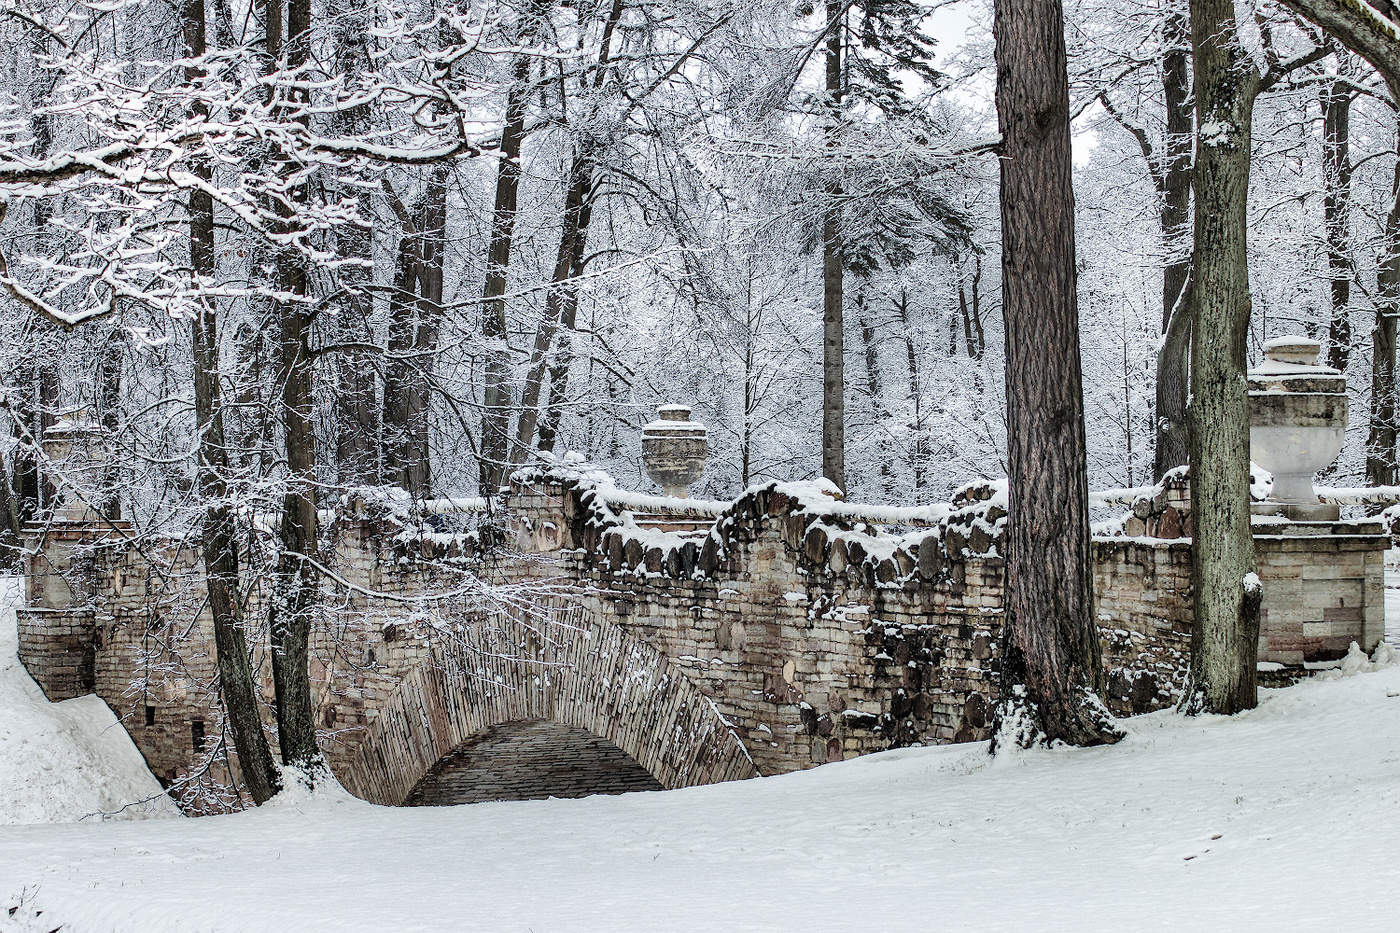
(1284, 818)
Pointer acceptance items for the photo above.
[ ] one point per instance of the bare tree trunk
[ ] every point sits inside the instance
(918, 454)
(1172, 441)
(1225, 591)
(1051, 669)
(833, 271)
(109, 389)
(561, 304)
(495, 416)
(1380, 440)
(356, 418)
(977, 306)
(403, 397)
(1336, 210)
(968, 339)
(218, 532)
(295, 584)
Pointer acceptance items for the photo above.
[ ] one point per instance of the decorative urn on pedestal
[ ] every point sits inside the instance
(1297, 425)
(673, 450)
(77, 453)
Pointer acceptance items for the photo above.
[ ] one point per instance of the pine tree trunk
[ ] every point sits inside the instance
(1224, 642)
(218, 532)
(1172, 435)
(833, 272)
(1051, 669)
(1336, 211)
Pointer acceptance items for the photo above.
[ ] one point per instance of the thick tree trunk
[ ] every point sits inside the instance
(1380, 440)
(833, 270)
(355, 407)
(405, 398)
(1336, 212)
(1172, 434)
(495, 416)
(1051, 669)
(109, 391)
(1226, 594)
(295, 584)
(218, 532)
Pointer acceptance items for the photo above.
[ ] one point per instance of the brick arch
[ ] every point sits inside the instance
(573, 669)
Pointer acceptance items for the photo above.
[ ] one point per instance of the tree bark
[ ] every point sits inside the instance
(405, 398)
(218, 532)
(1172, 432)
(1225, 591)
(357, 433)
(295, 584)
(1336, 204)
(833, 270)
(918, 452)
(495, 416)
(1380, 440)
(1051, 669)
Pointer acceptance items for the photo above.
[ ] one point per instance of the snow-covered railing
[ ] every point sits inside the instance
(625, 500)
(1359, 495)
(1103, 498)
(451, 505)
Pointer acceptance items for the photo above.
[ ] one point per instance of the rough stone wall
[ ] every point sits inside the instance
(819, 642)
(788, 629)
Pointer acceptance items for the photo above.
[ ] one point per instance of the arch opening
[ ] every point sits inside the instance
(530, 760)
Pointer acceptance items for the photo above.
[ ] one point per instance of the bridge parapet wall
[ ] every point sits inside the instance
(821, 636)
(816, 631)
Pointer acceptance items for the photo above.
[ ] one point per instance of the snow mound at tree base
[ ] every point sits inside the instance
(63, 762)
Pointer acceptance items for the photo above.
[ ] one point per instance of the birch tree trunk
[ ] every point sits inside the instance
(1051, 669)
(1225, 592)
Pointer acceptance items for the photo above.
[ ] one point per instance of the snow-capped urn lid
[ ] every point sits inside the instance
(674, 449)
(1293, 349)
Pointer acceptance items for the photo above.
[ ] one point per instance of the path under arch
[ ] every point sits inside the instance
(530, 760)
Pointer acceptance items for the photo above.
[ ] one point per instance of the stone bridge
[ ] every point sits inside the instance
(620, 641)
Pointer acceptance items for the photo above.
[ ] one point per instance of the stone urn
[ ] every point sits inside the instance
(1297, 425)
(673, 449)
(77, 453)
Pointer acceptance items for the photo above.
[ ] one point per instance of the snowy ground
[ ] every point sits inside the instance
(1284, 818)
(67, 761)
